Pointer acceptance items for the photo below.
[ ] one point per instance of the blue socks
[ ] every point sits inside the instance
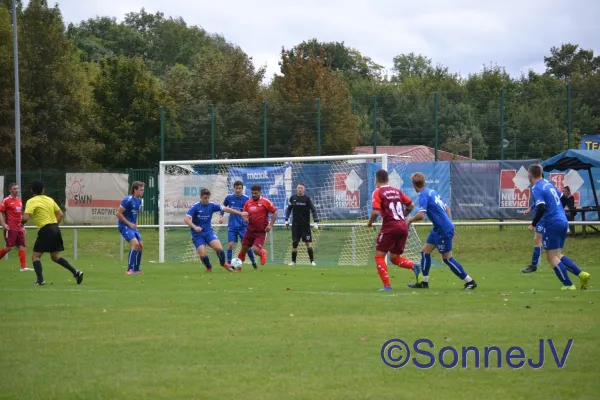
(537, 253)
(229, 255)
(561, 272)
(206, 262)
(132, 260)
(425, 263)
(570, 265)
(138, 261)
(456, 268)
(221, 256)
(251, 255)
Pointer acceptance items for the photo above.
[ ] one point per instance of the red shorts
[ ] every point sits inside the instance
(254, 238)
(392, 241)
(14, 238)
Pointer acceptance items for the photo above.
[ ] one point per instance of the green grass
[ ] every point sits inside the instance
(291, 332)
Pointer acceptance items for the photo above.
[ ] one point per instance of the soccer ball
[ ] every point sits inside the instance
(236, 263)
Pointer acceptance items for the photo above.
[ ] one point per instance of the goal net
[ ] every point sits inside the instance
(340, 188)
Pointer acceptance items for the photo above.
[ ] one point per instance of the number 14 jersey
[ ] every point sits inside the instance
(389, 201)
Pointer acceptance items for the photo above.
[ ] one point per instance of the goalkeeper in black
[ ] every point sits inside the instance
(301, 205)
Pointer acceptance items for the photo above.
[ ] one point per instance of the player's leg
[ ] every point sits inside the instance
(428, 248)
(22, 245)
(307, 239)
(247, 242)
(295, 241)
(140, 249)
(200, 245)
(445, 248)
(8, 245)
(56, 247)
(382, 268)
(134, 245)
(232, 238)
(537, 251)
(4, 251)
(242, 233)
(397, 249)
(36, 257)
(572, 267)
(215, 244)
(259, 246)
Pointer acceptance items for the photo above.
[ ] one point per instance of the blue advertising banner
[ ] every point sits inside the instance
(437, 177)
(590, 142)
(580, 186)
(490, 189)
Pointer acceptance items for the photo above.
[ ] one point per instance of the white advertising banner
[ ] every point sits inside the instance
(93, 198)
(182, 191)
(2, 187)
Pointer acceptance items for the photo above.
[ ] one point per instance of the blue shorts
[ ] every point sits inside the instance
(539, 228)
(129, 234)
(233, 233)
(443, 242)
(554, 236)
(204, 238)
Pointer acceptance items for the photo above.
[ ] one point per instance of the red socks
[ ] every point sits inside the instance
(2, 253)
(382, 270)
(242, 256)
(23, 258)
(403, 262)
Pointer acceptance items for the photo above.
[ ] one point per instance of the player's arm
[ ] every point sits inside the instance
(448, 212)
(407, 202)
(288, 212)
(58, 212)
(188, 219)
(313, 209)
(226, 203)
(422, 209)
(2, 220)
(122, 208)
(540, 208)
(242, 214)
(376, 208)
(273, 210)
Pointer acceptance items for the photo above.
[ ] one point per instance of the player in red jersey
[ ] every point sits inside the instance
(389, 202)
(258, 209)
(14, 232)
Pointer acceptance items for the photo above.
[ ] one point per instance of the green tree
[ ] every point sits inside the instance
(569, 61)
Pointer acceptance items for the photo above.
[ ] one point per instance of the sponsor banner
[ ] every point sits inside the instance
(275, 183)
(581, 188)
(93, 198)
(590, 142)
(183, 191)
(437, 177)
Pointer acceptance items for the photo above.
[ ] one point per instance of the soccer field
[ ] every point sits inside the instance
(295, 332)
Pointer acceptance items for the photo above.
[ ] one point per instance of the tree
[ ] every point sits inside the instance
(304, 81)
(569, 61)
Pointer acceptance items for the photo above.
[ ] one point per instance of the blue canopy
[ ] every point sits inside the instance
(573, 159)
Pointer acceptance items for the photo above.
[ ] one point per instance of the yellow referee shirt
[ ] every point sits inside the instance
(43, 209)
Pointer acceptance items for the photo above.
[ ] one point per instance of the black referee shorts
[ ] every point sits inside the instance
(49, 240)
(301, 232)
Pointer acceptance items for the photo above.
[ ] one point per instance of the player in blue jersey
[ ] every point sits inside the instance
(199, 218)
(127, 224)
(237, 226)
(551, 215)
(537, 245)
(441, 235)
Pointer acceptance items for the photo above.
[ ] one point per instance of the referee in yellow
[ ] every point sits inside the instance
(47, 216)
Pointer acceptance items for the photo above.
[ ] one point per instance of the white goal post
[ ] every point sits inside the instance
(180, 181)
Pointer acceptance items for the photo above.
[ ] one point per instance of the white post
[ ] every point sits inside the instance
(384, 162)
(161, 213)
(75, 243)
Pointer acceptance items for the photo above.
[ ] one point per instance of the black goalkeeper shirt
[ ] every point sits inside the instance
(302, 206)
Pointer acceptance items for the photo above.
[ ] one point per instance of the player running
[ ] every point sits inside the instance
(441, 235)
(199, 218)
(127, 216)
(537, 248)
(392, 205)
(551, 215)
(302, 205)
(258, 209)
(236, 226)
(14, 233)
(47, 216)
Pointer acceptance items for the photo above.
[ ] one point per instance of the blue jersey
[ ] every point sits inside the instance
(431, 203)
(132, 207)
(546, 193)
(237, 203)
(202, 216)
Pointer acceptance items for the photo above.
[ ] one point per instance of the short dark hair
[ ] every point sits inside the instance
(238, 183)
(256, 188)
(568, 189)
(382, 176)
(301, 184)
(37, 187)
(536, 170)
(11, 186)
(204, 192)
(135, 186)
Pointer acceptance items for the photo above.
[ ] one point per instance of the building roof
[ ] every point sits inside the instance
(416, 153)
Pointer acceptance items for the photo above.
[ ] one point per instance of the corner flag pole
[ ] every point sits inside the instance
(17, 99)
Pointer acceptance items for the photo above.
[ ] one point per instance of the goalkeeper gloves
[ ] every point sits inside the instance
(287, 224)
(316, 225)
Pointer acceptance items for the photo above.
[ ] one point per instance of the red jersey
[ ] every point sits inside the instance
(258, 213)
(12, 208)
(388, 201)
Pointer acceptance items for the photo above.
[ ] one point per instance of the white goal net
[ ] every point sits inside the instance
(340, 188)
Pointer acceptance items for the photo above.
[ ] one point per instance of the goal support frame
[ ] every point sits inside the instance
(283, 160)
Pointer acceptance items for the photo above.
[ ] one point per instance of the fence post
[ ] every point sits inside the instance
(318, 127)
(155, 194)
(374, 124)
(502, 124)
(265, 107)
(569, 117)
(212, 131)
(436, 130)
(162, 133)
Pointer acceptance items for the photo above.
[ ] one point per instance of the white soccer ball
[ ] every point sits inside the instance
(236, 263)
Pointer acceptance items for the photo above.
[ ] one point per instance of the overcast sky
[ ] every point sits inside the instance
(461, 34)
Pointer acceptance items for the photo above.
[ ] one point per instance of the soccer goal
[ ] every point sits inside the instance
(340, 187)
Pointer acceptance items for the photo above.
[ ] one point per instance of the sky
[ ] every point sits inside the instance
(463, 35)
